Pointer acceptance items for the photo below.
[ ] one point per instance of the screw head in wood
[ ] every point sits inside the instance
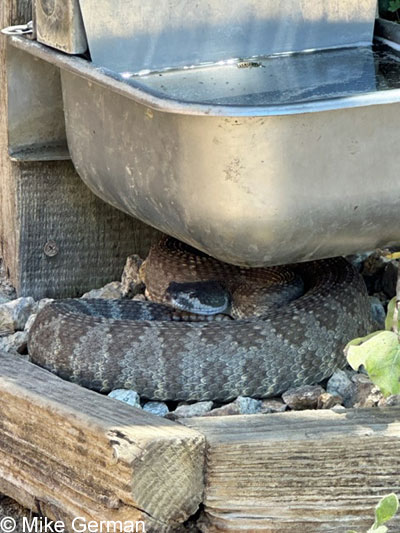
(51, 248)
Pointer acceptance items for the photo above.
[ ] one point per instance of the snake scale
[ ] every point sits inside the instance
(107, 344)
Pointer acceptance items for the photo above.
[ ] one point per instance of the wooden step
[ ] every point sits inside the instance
(303, 472)
(68, 452)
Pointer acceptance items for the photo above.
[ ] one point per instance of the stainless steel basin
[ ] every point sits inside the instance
(293, 160)
(269, 155)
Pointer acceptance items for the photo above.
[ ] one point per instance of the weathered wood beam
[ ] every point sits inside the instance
(11, 12)
(303, 472)
(69, 452)
(45, 204)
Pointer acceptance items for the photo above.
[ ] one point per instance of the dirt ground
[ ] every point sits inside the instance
(11, 509)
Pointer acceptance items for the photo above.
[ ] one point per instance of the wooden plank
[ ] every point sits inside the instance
(93, 239)
(69, 452)
(309, 471)
(11, 12)
(46, 202)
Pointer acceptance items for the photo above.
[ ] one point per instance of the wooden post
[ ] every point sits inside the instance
(56, 238)
(303, 472)
(68, 452)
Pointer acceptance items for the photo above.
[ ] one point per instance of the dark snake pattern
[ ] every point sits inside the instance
(108, 344)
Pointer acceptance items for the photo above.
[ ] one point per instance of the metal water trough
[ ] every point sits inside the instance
(261, 132)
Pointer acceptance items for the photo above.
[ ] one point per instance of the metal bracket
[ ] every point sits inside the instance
(21, 29)
(36, 125)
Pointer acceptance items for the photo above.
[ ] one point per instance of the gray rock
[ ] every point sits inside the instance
(340, 384)
(191, 410)
(131, 283)
(273, 406)
(374, 398)
(338, 408)
(350, 373)
(6, 326)
(130, 397)
(139, 297)
(365, 393)
(241, 406)
(378, 313)
(225, 410)
(14, 314)
(392, 401)
(306, 397)
(328, 401)
(357, 260)
(248, 406)
(110, 291)
(15, 343)
(156, 408)
(29, 322)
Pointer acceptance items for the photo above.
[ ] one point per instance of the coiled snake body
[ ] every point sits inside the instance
(107, 344)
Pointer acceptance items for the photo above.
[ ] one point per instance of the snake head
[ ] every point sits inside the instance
(200, 297)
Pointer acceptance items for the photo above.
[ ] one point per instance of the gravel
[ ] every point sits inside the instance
(110, 291)
(11, 509)
(156, 408)
(340, 384)
(130, 397)
(307, 397)
(15, 313)
(343, 390)
(191, 410)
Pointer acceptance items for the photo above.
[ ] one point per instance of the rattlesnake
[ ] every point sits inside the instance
(106, 344)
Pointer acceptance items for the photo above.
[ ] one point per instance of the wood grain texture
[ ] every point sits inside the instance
(93, 238)
(11, 12)
(47, 201)
(303, 472)
(68, 452)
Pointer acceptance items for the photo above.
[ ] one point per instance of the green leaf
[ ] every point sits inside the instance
(380, 355)
(358, 350)
(390, 314)
(394, 5)
(380, 529)
(385, 510)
